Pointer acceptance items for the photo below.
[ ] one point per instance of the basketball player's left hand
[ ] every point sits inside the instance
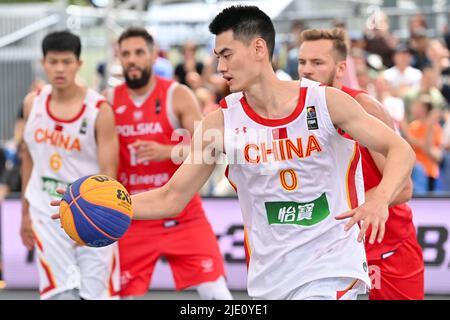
(151, 151)
(373, 213)
(56, 203)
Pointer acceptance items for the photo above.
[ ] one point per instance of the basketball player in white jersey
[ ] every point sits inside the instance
(69, 133)
(322, 57)
(298, 181)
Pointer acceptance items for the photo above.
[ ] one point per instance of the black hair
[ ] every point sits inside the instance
(133, 32)
(246, 22)
(426, 101)
(61, 41)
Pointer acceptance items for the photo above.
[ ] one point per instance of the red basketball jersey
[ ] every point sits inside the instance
(148, 122)
(399, 225)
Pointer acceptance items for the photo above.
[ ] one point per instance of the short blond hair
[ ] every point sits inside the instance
(337, 35)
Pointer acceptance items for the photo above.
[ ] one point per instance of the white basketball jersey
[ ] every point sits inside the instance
(293, 176)
(62, 150)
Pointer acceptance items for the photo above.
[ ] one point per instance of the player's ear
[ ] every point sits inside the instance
(260, 46)
(341, 68)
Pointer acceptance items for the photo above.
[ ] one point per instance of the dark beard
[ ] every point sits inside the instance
(140, 82)
(330, 80)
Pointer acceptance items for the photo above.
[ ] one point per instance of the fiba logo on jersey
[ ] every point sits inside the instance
(83, 128)
(311, 118)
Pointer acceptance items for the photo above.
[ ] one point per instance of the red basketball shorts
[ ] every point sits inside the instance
(191, 249)
(400, 275)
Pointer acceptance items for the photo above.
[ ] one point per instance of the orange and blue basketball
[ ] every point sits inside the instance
(96, 211)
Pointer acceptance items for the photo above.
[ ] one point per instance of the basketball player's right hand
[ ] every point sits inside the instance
(26, 232)
(56, 203)
(373, 213)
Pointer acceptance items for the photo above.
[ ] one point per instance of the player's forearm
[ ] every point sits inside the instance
(404, 195)
(25, 172)
(109, 169)
(154, 204)
(179, 152)
(25, 203)
(399, 164)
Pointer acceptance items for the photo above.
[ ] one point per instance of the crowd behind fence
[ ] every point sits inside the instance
(383, 42)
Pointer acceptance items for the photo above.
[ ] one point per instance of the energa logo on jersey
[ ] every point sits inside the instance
(303, 214)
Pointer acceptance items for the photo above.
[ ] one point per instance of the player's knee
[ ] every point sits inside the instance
(214, 290)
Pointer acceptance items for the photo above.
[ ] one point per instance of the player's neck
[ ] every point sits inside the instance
(144, 90)
(337, 84)
(66, 94)
(271, 97)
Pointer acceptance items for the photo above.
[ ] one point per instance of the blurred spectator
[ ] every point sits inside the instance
(359, 57)
(280, 73)
(440, 60)
(10, 177)
(292, 57)
(416, 24)
(189, 64)
(163, 68)
(425, 136)
(418, 45)
(108, 75)
(447, 37)
(217, 185)
(2, 163)
(446, 134)
(36, 85)
(194, 80)
(380, 40)
(365, 80)
(114, 78)
(402, 77)
(207, 100)
(10, 180)
(445, 85)
(444, 177)
(219, 86)
(438, 55)
(394, 105)
(427, 87)
(100, 82)
(357, 40)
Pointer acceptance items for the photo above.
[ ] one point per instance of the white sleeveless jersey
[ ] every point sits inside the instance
(62, 150)
(293, 176)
